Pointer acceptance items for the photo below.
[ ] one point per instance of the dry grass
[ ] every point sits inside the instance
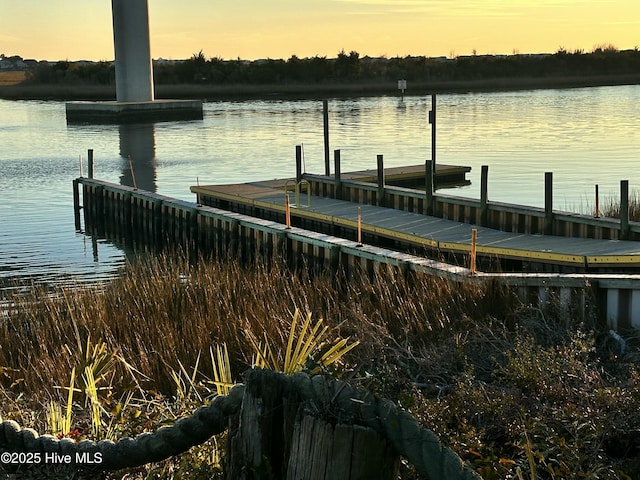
(12, 78)
(612, 207)
(507, 386)
(164, 312)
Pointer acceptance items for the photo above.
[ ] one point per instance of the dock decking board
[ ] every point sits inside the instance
(422, 230)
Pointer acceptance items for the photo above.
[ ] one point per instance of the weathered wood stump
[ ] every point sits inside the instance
(283, 433)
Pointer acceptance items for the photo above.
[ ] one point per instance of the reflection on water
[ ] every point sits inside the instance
(138, 150)
(585, 136)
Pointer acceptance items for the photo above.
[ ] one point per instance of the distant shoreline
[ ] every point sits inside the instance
(62, 92)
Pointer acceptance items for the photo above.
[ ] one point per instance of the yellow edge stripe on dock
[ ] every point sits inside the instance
(613, 259)
(514, 253)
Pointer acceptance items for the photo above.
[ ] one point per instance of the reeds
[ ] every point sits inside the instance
(468, 360)
(611, 207)
(165, 312)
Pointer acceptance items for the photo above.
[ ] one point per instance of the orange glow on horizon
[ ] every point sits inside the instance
(76, 29)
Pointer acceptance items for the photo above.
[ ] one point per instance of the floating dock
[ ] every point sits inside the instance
(416, 232)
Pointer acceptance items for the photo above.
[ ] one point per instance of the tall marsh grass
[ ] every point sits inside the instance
(518, 391)
(166, 312)
(611, 207)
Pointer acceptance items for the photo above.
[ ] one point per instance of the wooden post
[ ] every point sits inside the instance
(133, 175)
(359, 227)
(484, 183)
(158, 232)
(193, 228)
(272, 436)
(624, 209)
(428, 187)
(76, 204)
(99, 212)
(336, 175)
(325, 121)
(597, 212)
(474, 236)
(548, 203)
(432, 121)
(90, 160)
(287, 210)
(380, 181)
(234, 239)
(298, 163)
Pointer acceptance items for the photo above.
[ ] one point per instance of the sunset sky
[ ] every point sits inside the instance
(252, 29)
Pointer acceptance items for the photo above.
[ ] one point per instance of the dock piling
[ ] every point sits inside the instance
(298, 163)
(428, 187)
(287, 210)
(474, 237)
(548, 203)
(76, 204)
(336, 175)
(380, 181)
(325, 121)
(597, 212)
(432, 121)
(359, 227)
(484, 183)
(624, 209)
(90, 162)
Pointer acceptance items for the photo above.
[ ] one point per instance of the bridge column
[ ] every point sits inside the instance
(134, 72)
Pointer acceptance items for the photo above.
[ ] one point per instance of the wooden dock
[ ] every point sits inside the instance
(146, 220)
(417, 232)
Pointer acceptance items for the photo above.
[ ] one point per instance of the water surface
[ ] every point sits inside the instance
(585, 136)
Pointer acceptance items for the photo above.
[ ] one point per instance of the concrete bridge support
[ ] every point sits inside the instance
(134, 71)
(135, 98)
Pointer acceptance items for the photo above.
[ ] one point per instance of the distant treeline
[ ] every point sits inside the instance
(352, 68)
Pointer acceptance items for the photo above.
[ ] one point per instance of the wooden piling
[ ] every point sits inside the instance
(432, 121)
(380, 181)
(428, 187)
(359, 227)
(90, 162)
(273, 436)
(624, 209)
(548, 203)
(474, 236)
(484, 208)
(337, 188)
(76, 204)
(325, 121)
(298, 163)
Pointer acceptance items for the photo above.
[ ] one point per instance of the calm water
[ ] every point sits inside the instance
(585, 136)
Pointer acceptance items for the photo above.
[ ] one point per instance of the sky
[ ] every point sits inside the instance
(253, 29)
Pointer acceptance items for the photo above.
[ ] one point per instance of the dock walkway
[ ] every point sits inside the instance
(267, 200)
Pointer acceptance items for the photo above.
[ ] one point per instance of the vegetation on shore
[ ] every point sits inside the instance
(518, 391)
(347, 74)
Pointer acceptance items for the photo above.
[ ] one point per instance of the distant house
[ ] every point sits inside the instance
(12, 63)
